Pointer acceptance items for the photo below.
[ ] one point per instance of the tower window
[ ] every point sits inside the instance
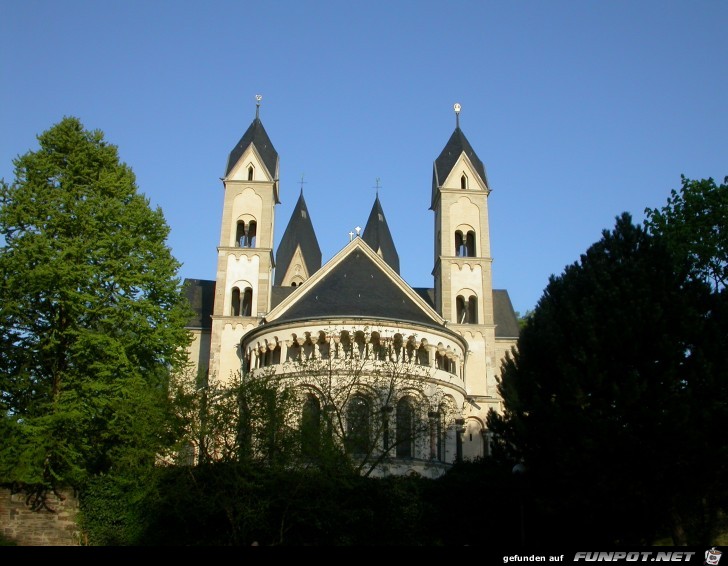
(470, 244)
(235, 302)
(240, 234)
(465, 245)
(460, 249)
(250, 172)
(250, 234)
(463, 181)
(467, 312)
(473, 310)
(247, 303)
(245, 234)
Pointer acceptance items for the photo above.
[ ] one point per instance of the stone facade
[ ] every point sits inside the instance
(25, 527)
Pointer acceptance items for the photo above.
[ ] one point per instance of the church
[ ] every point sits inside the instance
(273, 310)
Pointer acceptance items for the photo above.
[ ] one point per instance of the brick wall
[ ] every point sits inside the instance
(18, 523)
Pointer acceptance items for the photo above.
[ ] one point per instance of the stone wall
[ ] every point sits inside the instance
(25, 527)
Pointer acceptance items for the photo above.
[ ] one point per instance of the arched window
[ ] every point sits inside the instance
(240, 234)
(250, 234)
(473, 310)
(470, 244)
(360, 342)
(463, 181)
(405, 433)
(358, 425)
(311, 426)
(441, 434)
(423, 356)
(294, 352)
(271, 357)
(250, 172)
(460, 248)
(247, 303)
(467, 312)
(235, 302)
(462, 312)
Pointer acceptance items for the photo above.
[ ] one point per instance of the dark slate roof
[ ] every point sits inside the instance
(377, 235)
(427, 294)
(504, 315)
(278, 294)
(201, 295)
(298, 232)
(356, 287)
(256, 135)
(456, 145)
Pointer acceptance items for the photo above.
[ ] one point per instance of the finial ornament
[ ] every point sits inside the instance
(358, 229)
(457, 108)
(258, 98)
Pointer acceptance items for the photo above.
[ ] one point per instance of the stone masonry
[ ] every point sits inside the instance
(25, 527)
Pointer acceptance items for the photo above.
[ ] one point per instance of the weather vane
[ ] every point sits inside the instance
(457, 108)
(258, 98)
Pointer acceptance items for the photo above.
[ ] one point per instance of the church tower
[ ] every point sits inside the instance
(245, 252)
(462, 272)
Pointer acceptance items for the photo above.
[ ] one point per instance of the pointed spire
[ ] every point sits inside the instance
(256, 135)
(378, 236)
(457, 145)
(299, 233)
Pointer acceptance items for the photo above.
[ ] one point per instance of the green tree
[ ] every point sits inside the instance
(607, 399)
(695, 224)
(91, 316)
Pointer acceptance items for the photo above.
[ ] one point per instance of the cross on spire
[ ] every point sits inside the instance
(302, 182)
(258, 98)
(377, 186)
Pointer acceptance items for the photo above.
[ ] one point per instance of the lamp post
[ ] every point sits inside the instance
(518, 472)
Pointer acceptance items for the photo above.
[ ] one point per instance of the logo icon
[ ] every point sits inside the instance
(712, 556)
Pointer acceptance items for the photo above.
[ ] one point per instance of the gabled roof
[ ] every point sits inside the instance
(256, 135)
(355, 283)
(455, 147)
(377, 235)
(299, 232)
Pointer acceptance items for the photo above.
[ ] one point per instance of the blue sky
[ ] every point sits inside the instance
(580, 110)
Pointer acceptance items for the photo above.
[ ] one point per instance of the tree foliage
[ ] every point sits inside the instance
(695, 223)
(91, 315)
(615, 393)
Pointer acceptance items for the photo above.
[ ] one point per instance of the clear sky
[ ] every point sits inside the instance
(580, 110)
